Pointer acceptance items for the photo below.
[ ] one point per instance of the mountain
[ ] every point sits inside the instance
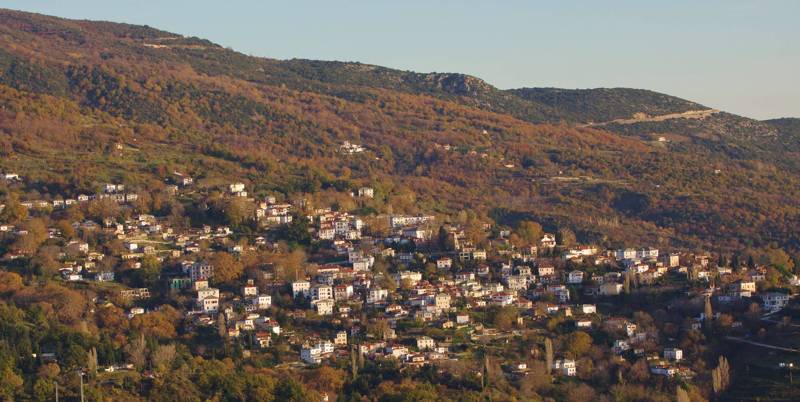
(84, 102)
(606, 104)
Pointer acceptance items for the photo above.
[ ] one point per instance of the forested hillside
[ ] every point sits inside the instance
(89, 102)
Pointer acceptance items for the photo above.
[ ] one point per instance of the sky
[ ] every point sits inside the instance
(741, 56)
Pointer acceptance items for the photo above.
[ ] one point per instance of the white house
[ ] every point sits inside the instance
(321, 292)
(774, 301)
(548, 241)
(341, 338)
(673, 354)
(565, 366)
(209, 304)
(366, 192)
(610, 289)
(301, 288)
(311, 354)
(200, 271)
(207, 292)
(324, 307)
(575, 277)
(503, 298)
(377, 295)
(262, 302)
(621, 345)
(236, 188)
(249, 290)
(546, 270)
(442, 301)
(425, 342)
(342, 292)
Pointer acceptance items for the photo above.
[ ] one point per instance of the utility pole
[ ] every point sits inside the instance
(80, 374)
(56, 391)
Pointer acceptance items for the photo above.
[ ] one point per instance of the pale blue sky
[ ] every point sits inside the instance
(742, 56)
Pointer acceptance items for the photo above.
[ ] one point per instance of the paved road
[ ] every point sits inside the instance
(763, 345)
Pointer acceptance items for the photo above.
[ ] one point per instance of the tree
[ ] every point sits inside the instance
(14, 211)
(530, 232)
(720, 376)
(291, 391)
(537, 379)
(36, 234)
(104, 208)
(237, 210)
(640, 371)
(163, 357)
(289, 264)
(326, 379)
(566, 237)
(45, 261)
(735, 263)
(579, 343)
(580, 393)
(379, 329)
(10, 282)
(150, 272)
(222, 330)
(91, 362)
(354, 362)
(226, 268)
(444, 238)
(626, 284)
(296, 231)
(708, 312)
(681, 395)
(505, 317)
(548, 352)
(156, 324)
(485, 372)
(137, 352)
(10, 384)
(776, 257)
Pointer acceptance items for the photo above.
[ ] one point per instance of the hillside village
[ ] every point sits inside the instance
(419, 291)
(180, 221)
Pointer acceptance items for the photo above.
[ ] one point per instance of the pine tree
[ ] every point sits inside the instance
(627, 283)
(221, 330)
(354, 361)
(548, 352)
(485, 376)
(91, 362)
(709, 313)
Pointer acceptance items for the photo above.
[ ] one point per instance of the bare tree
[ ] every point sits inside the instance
(163, 357)
(137, 352)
